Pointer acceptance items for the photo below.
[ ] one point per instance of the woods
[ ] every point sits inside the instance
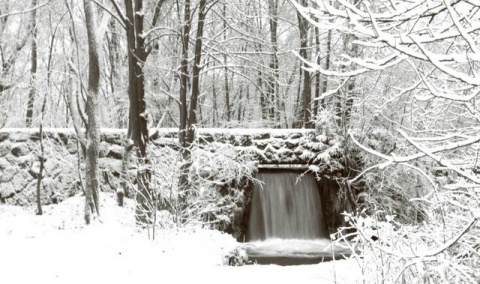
(389, 87)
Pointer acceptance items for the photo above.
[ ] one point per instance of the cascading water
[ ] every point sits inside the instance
(286, 206)
(286, 223)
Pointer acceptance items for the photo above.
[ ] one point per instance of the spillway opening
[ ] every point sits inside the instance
(286, 223)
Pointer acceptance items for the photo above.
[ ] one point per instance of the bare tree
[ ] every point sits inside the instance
(137, 135)
(437, 44)
(188, 115)
(92, 202)
(33, 70)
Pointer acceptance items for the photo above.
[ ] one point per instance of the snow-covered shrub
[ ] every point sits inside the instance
(218, 175)
(237, 257)
(395, 191)
(443, 250)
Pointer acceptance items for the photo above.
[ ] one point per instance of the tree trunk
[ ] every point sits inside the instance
(184, 78)
(307, 99)
(226, 87)
(327, 67)
(33, 70)
(93, 134)
(215, 107)
(317, 74)
(273, 87)
(187, 132)
(137, 134)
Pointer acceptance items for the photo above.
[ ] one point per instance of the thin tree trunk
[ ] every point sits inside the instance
(215, 107)
(192, 116)
(92, 202)
(298, 113)
(317, 74)
(137, 135)
(307, 99)
(33, 70)
(273, 93)
(263, 101)
(184, 78)
(226, 89)
(327, 67)
(239, 109)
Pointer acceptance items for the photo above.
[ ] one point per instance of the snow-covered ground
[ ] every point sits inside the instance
(58, 248)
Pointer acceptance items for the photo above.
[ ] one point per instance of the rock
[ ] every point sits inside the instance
(103, 149)
(295, 135)
(64, 185)
(34, 170)
(113, 138)
(8, 174)
(4, 136)
(51, 165)
(20, 149)
(25, 161)
(6, 191)
(19, 136)
(4, 164)
(115, 151)
(110, 165)
(20, 180)
(261, 136)
(5, 148)
(72, 147)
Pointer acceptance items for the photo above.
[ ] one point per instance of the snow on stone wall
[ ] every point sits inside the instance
(19, 150)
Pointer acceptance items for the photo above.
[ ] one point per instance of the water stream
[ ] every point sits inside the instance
(286, 224)
(286, 205)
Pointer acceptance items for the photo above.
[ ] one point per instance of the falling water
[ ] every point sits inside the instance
(286, 205)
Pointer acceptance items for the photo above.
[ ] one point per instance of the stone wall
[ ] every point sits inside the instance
(20, 165)
(20, 148)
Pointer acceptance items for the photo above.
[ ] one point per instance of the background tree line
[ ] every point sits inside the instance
(247, 74)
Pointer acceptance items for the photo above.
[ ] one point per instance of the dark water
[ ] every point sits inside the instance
(286, 206)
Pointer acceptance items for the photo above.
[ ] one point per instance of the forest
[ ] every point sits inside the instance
(378, 97)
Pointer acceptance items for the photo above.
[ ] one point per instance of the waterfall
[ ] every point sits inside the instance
(286, 205)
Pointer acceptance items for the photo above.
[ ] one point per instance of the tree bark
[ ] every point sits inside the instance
(273, 87)
(187, 132)
(137, 134)
(317, 74)
(306, 96)
(192, 115)
(33, 69)
(184, 78)
(92, 202)
(226, 87)
(327, 67)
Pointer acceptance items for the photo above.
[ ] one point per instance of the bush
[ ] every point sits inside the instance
(443, 250)
(218, 176)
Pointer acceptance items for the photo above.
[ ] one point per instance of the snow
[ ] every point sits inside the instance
(232, 131)
(58, 248)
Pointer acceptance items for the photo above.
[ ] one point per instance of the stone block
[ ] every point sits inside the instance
(113, 138)
(8, 174)
(4, 136)
(4, 164)
(115, 152)
(110, 165)
(25, 162)
(5, 148)
(20, 149)
(103, 149)
(19, 136)
(20, 180)
(71, 147)
(6, 191)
